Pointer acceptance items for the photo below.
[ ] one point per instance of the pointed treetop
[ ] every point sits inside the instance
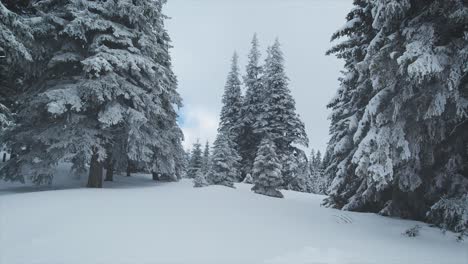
(235, 62)
(254, 55)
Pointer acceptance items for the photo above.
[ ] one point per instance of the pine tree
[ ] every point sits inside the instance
(224, 162)
(199, 180)
(318, 181)
(196, 160)
(206, 159)
(185, 164)
(318, 160)
(278, 118)
(297, 167)
(108, 76)
(229, 123)
(397, 144)
(312, 160)
(16, 56)
(248, 179)
(251, 108)
(267, 170)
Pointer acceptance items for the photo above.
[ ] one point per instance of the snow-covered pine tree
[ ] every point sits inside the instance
(251, 109)
(278, 118)
(400, 118)
(196, 160)
(316, 181)
(318, 160)
(248, 179)
(267, 169)
(16, 56)
(199, 180)
(206, 159)
(185, 161)
(312, 159)
(229, 123)
(108, 75)
(225, 162)
(349, 102)
(297, 166)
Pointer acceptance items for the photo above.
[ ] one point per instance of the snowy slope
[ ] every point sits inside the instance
(135, 220)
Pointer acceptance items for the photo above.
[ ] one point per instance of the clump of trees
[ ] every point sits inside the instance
(260, 133)
(91, 84)
(399, 123)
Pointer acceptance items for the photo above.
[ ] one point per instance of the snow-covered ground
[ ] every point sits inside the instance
(138, 221)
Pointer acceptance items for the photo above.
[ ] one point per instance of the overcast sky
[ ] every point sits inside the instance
(205, 33)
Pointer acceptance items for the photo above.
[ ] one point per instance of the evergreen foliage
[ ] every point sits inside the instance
(267, 168)
(16, 57)
(251, 109)
(225, 162)
(107, 79)
(196, 160)
(399, 121)
(199, 180)
(278, 118)
(230, 117)
(206, 159)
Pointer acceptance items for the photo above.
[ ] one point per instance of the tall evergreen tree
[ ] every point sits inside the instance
(108, 76)
(318, 182)
(278, 118)
(225, 162)
(230, 117)
(267, 170)
(196, 160)
(251, 108)
(398, 144)
(206, 159)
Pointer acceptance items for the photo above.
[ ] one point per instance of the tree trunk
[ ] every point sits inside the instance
(129, 169)
(95, 172)
(110, 169)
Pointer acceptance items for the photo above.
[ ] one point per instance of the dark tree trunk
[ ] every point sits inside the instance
(95, 172)
(110, 169)
(4, 157)
(129, 169)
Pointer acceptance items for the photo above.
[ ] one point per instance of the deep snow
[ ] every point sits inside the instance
(135, 220)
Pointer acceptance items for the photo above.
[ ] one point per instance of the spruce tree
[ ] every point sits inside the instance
(108, 76)
(196, 160)
(267, 168)
(229, 123)
(206, 159)
(251, 108)
(248, 179)
(398, 121)
(199, 180)
(225, 162)
(278, 118)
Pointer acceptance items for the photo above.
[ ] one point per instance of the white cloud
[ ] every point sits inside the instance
(198, 123)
